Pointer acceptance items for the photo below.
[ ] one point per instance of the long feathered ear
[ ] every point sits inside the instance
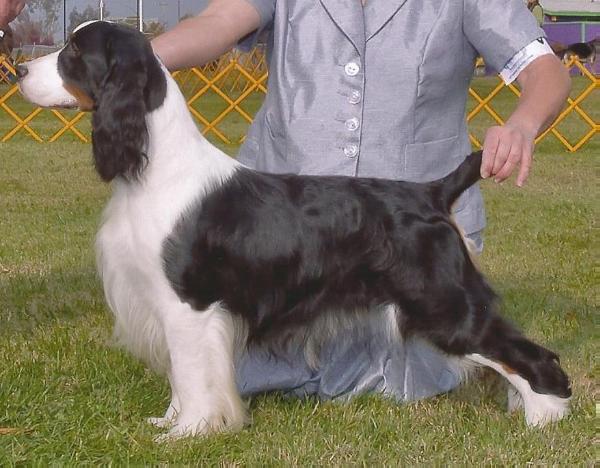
(119, 132)
(134, 85)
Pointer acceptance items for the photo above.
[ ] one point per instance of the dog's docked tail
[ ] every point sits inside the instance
(448, 189)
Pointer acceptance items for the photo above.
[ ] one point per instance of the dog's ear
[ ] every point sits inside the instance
(133, 86)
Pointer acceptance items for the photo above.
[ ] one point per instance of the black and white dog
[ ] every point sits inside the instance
(201, 256)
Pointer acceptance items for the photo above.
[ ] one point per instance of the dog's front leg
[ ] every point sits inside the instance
(172, 410)
(202, 373)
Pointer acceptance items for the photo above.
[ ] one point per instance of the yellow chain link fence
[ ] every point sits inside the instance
(223, 96)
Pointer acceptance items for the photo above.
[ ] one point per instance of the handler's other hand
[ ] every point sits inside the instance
(9, 9)
(504, 148)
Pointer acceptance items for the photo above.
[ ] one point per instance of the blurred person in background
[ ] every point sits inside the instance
(9, 10)
(536, 10)
(377, 88)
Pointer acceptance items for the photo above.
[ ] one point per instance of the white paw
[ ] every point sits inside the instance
(541, 409)
(180, 431)
(515, 402)
(200, 424)
(160, 422)
(169, 417)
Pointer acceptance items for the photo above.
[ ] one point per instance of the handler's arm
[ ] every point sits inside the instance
(205, 37)
(9, 9)
(545, 85)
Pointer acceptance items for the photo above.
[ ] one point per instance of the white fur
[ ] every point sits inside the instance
(43, 85)
(194, 349)
(87, 23)
(540, 409)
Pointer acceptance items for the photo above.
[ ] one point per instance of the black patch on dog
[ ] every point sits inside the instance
(279, 250)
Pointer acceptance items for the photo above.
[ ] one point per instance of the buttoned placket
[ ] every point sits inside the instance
(352, 121)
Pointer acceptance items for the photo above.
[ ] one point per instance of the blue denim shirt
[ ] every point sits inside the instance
(373, 91)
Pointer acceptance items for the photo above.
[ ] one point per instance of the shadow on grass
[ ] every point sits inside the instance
(35, 300)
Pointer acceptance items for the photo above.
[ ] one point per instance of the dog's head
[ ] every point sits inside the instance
(111, 70)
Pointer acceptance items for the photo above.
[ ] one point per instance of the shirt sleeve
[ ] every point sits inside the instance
(524, 57)
(499, 29)
(266, 10)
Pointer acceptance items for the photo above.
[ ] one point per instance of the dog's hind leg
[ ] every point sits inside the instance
(540, 408)
(542, 387)
(465, 326)
(202, 371)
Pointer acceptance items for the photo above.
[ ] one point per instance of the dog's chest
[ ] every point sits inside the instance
(130, 242)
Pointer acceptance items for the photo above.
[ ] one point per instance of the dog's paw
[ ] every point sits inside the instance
(160, 422)
(189, 425)
(180, 431)
(541, 409)
(167, 420)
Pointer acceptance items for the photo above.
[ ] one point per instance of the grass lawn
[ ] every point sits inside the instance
(67, 396)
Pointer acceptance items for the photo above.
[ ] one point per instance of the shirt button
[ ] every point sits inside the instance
(351, 151)
(352, 124)
(352, 68)
(355, 97)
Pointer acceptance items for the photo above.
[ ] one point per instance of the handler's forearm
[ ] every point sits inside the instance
(205, 37)
(545, 85)
(194, 41)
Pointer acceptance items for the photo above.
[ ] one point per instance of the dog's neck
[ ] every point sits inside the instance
(174, 141)
(171, 127)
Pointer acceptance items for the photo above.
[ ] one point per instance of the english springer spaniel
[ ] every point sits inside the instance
(201, 256)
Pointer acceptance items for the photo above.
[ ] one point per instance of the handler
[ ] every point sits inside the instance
(377, 89)
(9, 9)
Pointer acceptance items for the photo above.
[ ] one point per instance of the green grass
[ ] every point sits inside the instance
(74, 398)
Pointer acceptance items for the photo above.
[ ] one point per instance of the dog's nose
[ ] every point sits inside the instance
(22, 71)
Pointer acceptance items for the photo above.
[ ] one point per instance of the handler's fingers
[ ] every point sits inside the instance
(513, 159)
(504, 148)
(526, 161)
(490, 146)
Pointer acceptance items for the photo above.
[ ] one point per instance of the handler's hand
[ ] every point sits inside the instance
(504, 148)
(9, 9)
